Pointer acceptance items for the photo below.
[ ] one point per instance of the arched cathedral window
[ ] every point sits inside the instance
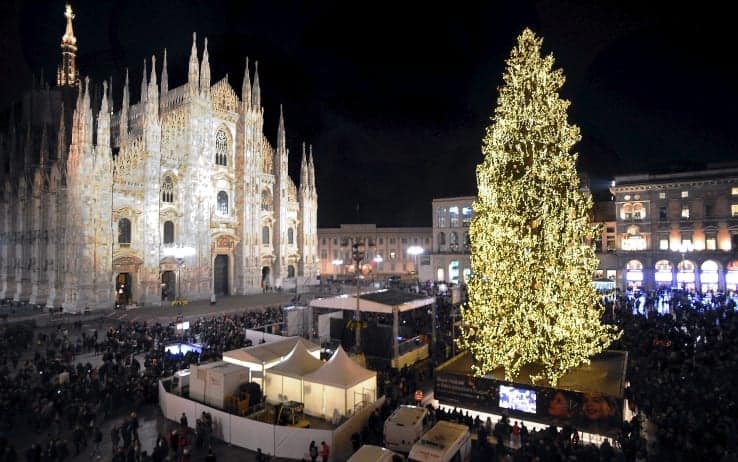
(265, 235)
(124, 231)
(168, 232)
(167, 190)
(290, 236)
(223, 203)
(221, 148)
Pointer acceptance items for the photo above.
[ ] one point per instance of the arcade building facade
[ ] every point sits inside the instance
(178, 196)
(678, 230)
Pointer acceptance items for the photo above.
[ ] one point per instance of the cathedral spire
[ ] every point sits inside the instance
(311, 169)
(123, 121)
(67, 74)
(164, 76)
(61, 143)
(144, 90)
(103, 120)
(246, 86)
(256, 90)
(43, 157)
(205, 72)
(86, 114)
(303, 169)
(281, 135)
(193, 73)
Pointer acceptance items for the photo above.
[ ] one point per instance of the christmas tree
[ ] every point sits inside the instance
(531, 299)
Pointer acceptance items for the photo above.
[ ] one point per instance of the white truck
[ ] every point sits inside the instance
(445, 442)
(371, 453)
(404, 428)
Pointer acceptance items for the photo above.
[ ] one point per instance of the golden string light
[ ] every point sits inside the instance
(531, 300)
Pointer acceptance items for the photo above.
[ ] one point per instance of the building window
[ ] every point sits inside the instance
(392, 240)
(685, 194)
(221, 148)
(124, 231)
(323, 241)
(685, 212)
(663, 244)
(734, 191)
(708, 210)
(381, 241)
(265, 235)
(168, 232)
(441, 217)
(290, 236)
(441, 238)
(466, 216)
(290, 271)
(393, 255)
(323, 254)
(711, 243)
(662, 195)
(662, 213)
(222, 203)
(453, 213)
(335, 241)
(734, 210)
(610, 243)
(167, 190)
(403, 240)
(453, 238)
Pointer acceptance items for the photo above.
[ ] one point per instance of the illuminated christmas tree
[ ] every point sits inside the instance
(531, 300)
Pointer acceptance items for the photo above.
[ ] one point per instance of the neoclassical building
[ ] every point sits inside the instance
(178, 195)
(678, 230)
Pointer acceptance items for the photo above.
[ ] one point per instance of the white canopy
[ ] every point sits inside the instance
(266, 355)
(298, 363)
(381, 301)
(340, 371)
(339, 387)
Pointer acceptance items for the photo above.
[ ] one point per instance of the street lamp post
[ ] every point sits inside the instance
(357, 254)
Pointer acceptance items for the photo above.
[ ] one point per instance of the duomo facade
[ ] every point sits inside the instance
(180, 195)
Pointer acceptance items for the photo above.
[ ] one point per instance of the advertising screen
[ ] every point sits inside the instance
(518, 399)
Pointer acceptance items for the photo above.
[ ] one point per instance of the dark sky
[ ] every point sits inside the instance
(395, 96)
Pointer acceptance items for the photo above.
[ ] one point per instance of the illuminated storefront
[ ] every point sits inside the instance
(731, 277)
(634, 275)
(664, 275)
(686, 275)
(709, 276)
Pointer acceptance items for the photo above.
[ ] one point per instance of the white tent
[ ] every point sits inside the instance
(259, 358)
(338, 387)
(284, 381)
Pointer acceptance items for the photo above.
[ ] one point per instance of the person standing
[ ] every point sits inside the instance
(313, 451)
(325, 451)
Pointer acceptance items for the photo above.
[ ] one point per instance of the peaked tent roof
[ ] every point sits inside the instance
(267, 352)
(298, 363)
(340, 371)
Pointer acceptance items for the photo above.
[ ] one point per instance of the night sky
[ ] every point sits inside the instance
(395, 96)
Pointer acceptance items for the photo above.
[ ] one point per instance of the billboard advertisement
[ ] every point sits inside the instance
(590, 412)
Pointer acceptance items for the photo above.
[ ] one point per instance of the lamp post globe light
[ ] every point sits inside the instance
(179, 253)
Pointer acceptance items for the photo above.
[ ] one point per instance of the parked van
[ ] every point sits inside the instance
(404, 428)
(371, 453)
(445, 442)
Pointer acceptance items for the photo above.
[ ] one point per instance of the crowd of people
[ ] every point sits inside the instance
(681, 370)
(43, 391)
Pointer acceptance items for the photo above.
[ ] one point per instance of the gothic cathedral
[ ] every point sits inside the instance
(180, 196)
